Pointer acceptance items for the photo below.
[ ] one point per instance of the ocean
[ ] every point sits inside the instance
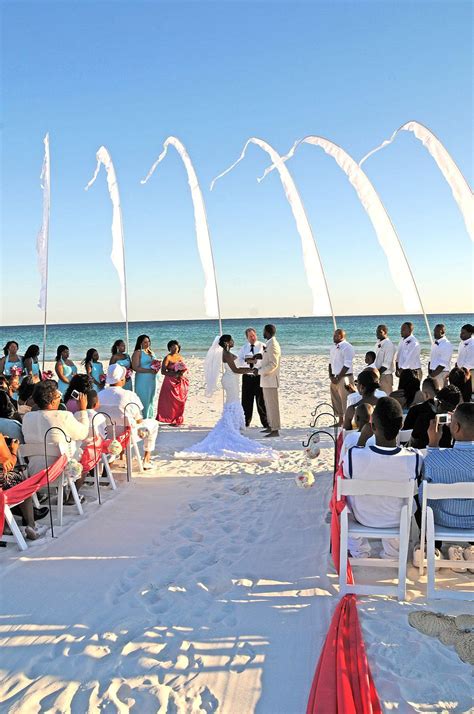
(297, 335)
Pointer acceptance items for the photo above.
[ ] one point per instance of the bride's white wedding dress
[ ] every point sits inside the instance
(225, 440)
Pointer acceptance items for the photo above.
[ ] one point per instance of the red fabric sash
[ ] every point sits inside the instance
(90, 455)
(343, 682)
(25, 489)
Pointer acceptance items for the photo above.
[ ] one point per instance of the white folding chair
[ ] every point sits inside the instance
(63, 481)
(404, 436)
(17, 535)
(434, 532)
(349, 526)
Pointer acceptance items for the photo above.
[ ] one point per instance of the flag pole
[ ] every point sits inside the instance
(45, 175)
(127, 340)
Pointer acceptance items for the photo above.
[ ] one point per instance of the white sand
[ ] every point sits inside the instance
(206, 587)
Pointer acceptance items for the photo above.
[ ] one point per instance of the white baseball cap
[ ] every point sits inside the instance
(115, 373)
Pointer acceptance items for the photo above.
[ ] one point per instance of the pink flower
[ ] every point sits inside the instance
(15, 371)
(156, 365)
(128, 373)
(179, 367)
(102, 378)
(47, 374)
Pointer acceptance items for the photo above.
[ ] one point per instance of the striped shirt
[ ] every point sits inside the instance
(454, 465)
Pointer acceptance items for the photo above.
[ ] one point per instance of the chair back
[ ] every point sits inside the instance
(435, 491)
(54, 450)
(360, 487)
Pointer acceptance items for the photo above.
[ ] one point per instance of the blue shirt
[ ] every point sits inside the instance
(454, 465)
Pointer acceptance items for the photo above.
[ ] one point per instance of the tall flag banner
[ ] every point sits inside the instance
(316, 277)
(203, 238)
(118, 243)
(42, 239)
(459, 186)
(398, 264)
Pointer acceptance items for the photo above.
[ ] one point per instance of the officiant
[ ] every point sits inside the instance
(250, 354)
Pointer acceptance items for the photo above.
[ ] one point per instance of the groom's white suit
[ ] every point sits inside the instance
(269, 371)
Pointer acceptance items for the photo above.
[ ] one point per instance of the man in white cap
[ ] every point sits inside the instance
(118, 402)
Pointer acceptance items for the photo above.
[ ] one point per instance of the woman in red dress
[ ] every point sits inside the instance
(174, 390)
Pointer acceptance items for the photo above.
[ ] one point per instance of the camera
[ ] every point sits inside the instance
(75, 394)
(442, 419)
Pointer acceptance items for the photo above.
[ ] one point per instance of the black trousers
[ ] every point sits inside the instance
(251, 390)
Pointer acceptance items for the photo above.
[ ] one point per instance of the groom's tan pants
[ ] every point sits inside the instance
(270, 396)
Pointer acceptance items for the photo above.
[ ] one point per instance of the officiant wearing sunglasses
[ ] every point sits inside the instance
(251, 389)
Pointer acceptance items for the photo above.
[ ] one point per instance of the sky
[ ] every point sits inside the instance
(129, 74)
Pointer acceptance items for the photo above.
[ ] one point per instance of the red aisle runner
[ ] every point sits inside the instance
(343, 682)
(29, 486)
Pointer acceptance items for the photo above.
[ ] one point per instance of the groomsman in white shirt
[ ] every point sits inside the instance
(249, 354)
(269, 371)
(440, 357)
(385, 359)
(408, 352)
(466, 350)
(341, 357)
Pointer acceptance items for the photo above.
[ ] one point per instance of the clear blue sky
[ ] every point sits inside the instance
(128, 74)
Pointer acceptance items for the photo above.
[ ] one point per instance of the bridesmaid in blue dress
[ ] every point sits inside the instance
(94, 368)
(64, 368)
(145, 376)
(11, 359)
(31, 364)
(120, 356)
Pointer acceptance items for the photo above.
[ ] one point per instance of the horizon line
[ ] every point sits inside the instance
(245, 317)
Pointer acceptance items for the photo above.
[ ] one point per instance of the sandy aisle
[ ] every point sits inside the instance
(204, 587)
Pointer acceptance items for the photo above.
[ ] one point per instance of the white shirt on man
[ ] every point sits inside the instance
(341, 355)
(114, 400)
(246, 351)
(385, 355)
(441, 354)
(36, 424)
(466, 353)
(408, 353)
(377, 463)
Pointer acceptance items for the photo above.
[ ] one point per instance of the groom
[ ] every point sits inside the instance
(268, 369)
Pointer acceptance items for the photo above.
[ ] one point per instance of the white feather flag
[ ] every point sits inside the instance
(312, 262)
(118, 248)
(368, 196)
(42, 239)
(203, 238)
(459, 186)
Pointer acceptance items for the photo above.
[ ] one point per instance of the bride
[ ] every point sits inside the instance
(225, 440)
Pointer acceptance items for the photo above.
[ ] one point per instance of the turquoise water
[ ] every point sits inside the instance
(304, 335)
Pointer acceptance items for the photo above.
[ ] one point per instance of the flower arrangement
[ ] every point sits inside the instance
(313, 451)
(305, 479)
(128, 373)
(156, 365)
(73, 469)
(16, 371)
(114, 448)
(143, 432)
(47, 374)
(179, 367)
(102, 378)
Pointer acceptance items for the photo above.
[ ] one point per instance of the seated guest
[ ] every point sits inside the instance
(460, 377)
(363, 413)
(419, 416)
(453, 466)
(370, 360)
(100, 423)
(10, 477)
(47, 398)
(383, 461)
(7, 408)
(81, 383)
(118, 403)
(408, 393)
(367, 384)
(355, 397)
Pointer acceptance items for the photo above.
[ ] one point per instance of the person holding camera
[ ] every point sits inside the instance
(47, 398)
(340, 372)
